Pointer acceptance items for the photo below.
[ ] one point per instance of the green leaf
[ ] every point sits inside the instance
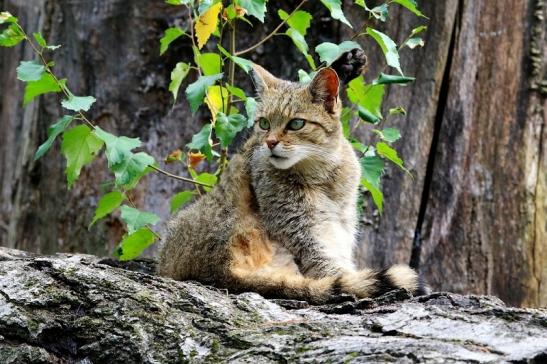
(30, 71)
(6, 17)
(389, 153)
(107, 204)
(181, 199)
(390, 135)
(298, 40)
(329, 52)
(207, 178)
(335, 9)
(377, 195)
(237, 92)
(369, 97)
(178, 2)
(372, 168)
(250, 109)
(226, 127)
(44, 85)
(117, 148)
(52, 133)
(40, 39)
(178, 75)
(418, 30)
(78, 103)
(11, 36)
(202, 141)
(80, 146)
(304, 77)
(384, 79)
(388, 47)
(256, 8)
(367, 116)
(170, 35)
(397, 110)
(136, 219)
(345, 118)
(414, 42)
(410, 5)
(209, 62)
(132, 168)
(358, 146)
(300, 20)
(133, 245)
(195, 92)
(380, 12)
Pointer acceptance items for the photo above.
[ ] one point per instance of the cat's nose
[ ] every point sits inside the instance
(272, 143)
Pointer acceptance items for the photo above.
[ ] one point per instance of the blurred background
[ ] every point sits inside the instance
(473, 218)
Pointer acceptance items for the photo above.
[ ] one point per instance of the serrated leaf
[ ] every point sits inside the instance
(329, 52)
(388, 47)
(178, 2)
(136, 219)
(300, 20)
(11, 36)
(227, 127)
(389, 153)
(345, 118)
(384, 79)
(418, 30)
(117, 148)
(30, 71)
(40, 39)
(207, 178)
(80, 146)
(202, 141)
(369, 97)
(217, 99)
(44, 85)
(237, 92)
(390, 135)
(195, 92)
(372, 168)
(414, 42)
(397, 110)
(133, 245)
(377, 195)
(304, 77)
(256, 8)
(336, 12)
(107, 204)
(250, 109)
(169, 36)
(367, 116)
(207, 23)
(410, 5)
(181, 199)
(53, 131)
(132, 168)
(209, 63)
(78, 103)
(358, 146)
(298, 40)
(178, 75)
(380, 12)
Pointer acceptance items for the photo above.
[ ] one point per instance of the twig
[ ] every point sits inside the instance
(180, 178)
(274, 32)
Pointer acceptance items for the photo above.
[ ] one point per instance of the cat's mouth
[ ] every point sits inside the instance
(277, 157)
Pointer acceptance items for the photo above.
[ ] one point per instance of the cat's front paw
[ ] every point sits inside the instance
(350, 64)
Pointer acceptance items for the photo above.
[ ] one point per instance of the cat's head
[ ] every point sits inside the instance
(297, 123)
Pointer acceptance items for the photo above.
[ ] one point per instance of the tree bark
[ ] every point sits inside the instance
(81, 309)
(473, 216)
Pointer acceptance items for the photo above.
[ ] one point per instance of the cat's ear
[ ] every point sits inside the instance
(263, 79)
(324, 88)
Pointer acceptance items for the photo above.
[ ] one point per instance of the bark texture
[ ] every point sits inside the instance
(81, 309)
(473, 218)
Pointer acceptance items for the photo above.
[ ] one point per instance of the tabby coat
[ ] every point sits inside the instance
(282, 220)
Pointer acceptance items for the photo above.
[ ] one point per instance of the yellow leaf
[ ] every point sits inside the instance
(217, 100)
(207, 24)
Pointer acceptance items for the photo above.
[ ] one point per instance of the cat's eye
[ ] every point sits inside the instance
(264, 124)
(296, 124)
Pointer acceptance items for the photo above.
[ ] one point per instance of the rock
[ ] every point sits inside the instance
(83, 309)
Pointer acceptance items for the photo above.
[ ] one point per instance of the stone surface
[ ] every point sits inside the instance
(83, 309)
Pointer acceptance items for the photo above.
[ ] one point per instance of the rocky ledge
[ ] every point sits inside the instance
(84, 309)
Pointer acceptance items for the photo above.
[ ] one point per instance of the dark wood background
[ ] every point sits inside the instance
(473, 218)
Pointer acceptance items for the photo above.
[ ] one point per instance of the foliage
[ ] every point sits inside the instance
(213, 86)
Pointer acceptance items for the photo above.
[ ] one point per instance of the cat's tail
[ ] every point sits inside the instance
(364, 283)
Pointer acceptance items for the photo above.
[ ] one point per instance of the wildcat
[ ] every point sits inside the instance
(282, 220)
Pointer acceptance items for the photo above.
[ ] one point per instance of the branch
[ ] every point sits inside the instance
(180, 178)
(274, 32)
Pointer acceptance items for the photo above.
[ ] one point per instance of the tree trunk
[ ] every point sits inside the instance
(79, 309)
(474, 215)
